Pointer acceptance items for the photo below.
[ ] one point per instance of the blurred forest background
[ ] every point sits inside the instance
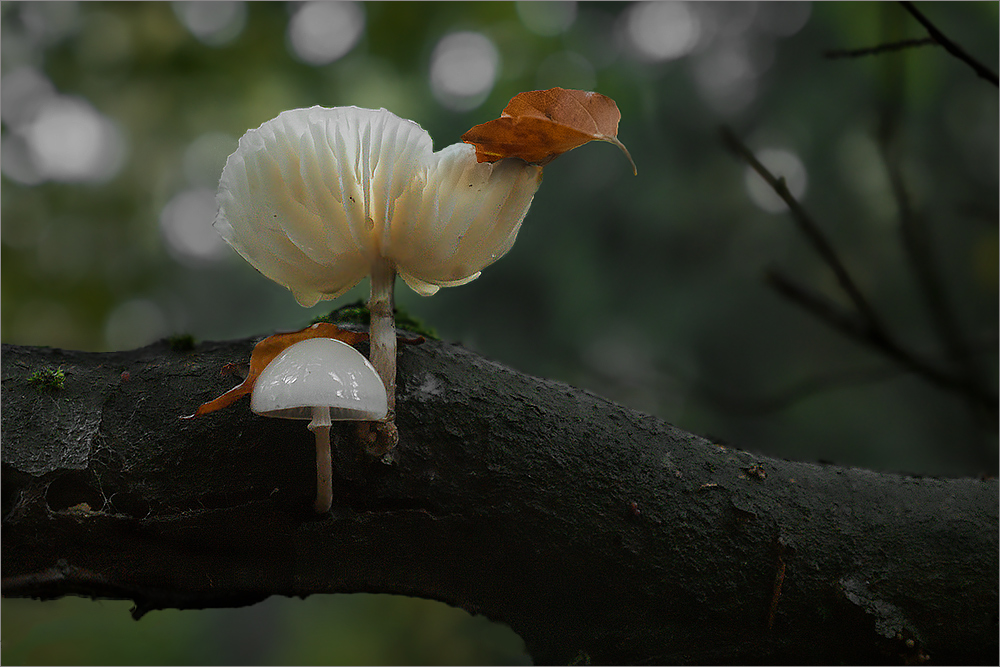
(117, 119)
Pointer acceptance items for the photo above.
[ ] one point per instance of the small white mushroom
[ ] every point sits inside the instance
(323, 380)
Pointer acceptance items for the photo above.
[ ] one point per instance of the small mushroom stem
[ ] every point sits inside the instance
(320, 426)
(382, 337)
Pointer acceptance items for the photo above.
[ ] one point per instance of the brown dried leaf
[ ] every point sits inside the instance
(540, 125)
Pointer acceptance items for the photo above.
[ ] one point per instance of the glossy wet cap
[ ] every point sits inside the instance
(320, 372)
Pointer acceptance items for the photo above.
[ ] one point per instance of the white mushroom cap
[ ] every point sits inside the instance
(320, 373)
(313, 198)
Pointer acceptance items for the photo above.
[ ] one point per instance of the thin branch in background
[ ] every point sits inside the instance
(950, 46)
(776, 400)
(810, 229)
(788, 397)
(848, 324)
(669, 378)
(941, 313)
(918, 247)
(863, 325)
(880, 48)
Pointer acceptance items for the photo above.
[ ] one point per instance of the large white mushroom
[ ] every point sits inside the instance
(317, 199)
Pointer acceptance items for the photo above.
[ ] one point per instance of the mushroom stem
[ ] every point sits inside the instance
(320, 426)
(382, 337)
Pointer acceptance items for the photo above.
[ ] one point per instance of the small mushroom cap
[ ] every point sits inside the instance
(320, 372)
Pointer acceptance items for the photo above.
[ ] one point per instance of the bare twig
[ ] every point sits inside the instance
(880, 48)
(950, 46)
(849, 324)
(941, 314)
(776, 400)
(784, 398)
(811, 230)
(918, 249)
(863, 325)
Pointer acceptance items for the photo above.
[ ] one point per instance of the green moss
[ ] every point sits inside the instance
(407, 321)
(357, 313)
(181, 342)
(48, 379)
(352, 313)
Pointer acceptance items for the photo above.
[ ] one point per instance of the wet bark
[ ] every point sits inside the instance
(597, 533)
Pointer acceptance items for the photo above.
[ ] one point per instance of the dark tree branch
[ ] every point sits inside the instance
(879, 48)
(950, 46)
(595, 532)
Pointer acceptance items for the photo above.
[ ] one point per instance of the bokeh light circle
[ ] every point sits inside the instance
(783, 164)
(186, 225)
(134, 323)
(464, 67)
(214, 23)
(545, 17)
(71, 141)
(322, 32)
(659, 31)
